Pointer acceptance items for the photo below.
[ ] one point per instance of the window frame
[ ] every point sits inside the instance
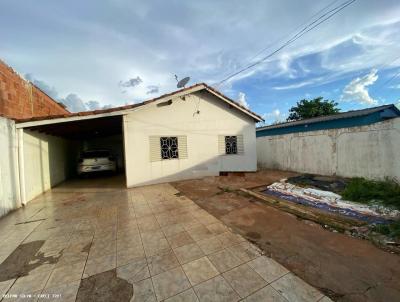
(174, 145)
(235, 146)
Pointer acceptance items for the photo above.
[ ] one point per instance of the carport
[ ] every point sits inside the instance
(48, 151)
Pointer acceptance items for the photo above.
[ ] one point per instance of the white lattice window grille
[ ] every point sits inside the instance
(169, 147)
(231, 145)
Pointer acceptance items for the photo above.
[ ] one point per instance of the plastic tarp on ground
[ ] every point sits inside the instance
(331, 202)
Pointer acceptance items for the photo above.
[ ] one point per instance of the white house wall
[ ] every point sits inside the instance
(202, 130)
(9, 195)
(369, 151)
(47, 162)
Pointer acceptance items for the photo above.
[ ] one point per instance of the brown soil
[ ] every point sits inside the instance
(344, 268)
(24, 259)
(104, 287)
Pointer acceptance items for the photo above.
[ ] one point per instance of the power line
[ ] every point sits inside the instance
(293, 30)
(388, 63)
(326, 16)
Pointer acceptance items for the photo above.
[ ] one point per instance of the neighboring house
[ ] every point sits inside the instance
(21, 99)
(355, 143)
(190, 133)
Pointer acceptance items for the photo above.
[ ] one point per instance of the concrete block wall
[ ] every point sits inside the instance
(20, 99)
(368, 151)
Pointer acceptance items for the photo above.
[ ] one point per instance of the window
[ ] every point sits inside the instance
(169, 147)
(230, 144)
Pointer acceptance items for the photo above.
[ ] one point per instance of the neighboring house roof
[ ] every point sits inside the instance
(122, 109)
(340, 120)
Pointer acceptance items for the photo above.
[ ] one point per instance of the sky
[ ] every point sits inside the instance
(94, 54)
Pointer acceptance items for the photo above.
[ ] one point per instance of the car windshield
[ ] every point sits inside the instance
(97, 153)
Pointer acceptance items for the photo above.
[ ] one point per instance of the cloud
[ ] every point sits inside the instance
(356, 90)
(50, 91)
(131, 82)
(74, 103)
(275, 116)
(93, 105)
(152, 89)
(297, 85)
(242, 100)
(156, 39)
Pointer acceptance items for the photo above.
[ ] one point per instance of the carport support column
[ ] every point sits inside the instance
(21, 165)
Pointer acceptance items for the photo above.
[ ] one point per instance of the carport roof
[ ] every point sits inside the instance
(121, 110)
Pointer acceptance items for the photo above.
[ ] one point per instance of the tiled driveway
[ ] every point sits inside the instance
(142, 244)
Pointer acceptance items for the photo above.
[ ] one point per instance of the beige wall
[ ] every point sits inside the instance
(369, 151)
(9, 194)
(202, 131)
(47, 162)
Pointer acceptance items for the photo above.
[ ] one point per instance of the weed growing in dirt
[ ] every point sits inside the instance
(386, 192)
(391, 229)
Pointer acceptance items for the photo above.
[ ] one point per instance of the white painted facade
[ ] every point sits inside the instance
(47, 162)
(199, 116)
(202, 131)
(9, 183)
(368, 151)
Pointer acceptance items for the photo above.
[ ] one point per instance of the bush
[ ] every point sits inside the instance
(391, 229)
(361, 190)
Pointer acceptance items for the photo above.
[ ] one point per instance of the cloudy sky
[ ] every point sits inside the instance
(96, 53)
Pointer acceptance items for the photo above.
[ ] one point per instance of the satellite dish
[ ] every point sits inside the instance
(182, 83)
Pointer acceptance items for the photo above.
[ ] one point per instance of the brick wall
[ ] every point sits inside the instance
(21, 99)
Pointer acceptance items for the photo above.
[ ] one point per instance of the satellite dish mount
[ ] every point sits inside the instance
(182, 83)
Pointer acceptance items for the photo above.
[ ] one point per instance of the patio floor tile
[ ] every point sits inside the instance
(162, 262)
(210, 245)
(216, 290)
(143, 291)
(170, 283)
(172, 229)
(244, 280)
(265, 294)
(66, 292)
(295, 289)
(66, 274)
(30, 283)
(180, 239)
(134, 271)
(224, 260)
(188, 253)
(268, 268)
(99, 265)
(187, 296)
(200, 270)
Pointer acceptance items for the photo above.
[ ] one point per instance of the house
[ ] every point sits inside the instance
(361, 143)
(347, 119)
(190, 133)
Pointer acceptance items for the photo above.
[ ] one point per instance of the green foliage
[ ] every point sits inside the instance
(391, 229)
(386, 192)
(312, 108)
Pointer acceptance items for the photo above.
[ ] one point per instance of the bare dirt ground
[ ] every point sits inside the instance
(344, 268)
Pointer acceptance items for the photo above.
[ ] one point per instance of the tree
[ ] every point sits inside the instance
(312, 108)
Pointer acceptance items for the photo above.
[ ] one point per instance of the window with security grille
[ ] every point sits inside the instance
(231, 145)
(169, 147)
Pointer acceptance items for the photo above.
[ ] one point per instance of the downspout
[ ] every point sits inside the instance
(21, 166)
